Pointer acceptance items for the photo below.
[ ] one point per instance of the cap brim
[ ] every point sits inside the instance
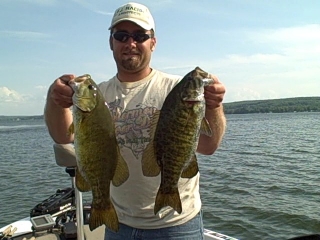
(139, 23)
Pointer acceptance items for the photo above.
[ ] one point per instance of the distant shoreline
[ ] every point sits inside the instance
(281, 105)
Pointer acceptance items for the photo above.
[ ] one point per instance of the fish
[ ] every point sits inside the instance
(174, 133)
(99, 161)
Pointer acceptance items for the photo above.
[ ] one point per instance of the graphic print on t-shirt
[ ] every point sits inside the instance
(132, 126)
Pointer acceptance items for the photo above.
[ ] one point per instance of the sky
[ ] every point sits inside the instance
(258, 49)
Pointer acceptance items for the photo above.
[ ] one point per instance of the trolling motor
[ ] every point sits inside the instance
(55, 203)
(307, 237)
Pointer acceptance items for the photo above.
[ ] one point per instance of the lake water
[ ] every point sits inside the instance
(262, 183)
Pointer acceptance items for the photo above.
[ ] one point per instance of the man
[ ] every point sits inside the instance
(133, 95)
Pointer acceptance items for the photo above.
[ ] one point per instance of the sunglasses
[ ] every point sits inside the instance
(137, 37)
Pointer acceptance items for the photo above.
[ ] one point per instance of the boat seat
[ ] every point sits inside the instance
(65, 155)
(98, 233)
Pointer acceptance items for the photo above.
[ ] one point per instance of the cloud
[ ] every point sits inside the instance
(92, 7)
(97, 5)
(247, 93)
(285, 48)
(42, 2)
(37, 2)
(41, 88)
(294, 35)
(255, 58)
(279, 63)
(15, 103)
(24, 35)
(284, 63)
(11, 96)
(7, 95)
(292, 41)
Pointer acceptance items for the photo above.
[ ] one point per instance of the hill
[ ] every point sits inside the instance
(282, 105)
(299, 104)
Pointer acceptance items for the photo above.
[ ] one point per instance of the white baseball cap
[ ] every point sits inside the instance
(134, 12)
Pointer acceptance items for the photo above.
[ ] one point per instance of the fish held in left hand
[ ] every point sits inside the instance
(175, 134)
(99, 161)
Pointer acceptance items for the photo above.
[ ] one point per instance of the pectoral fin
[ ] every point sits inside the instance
(121, 173)
(192, 169)
(205, 128)
(71, 129)
(150, 167)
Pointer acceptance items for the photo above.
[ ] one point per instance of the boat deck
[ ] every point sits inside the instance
(97, 234)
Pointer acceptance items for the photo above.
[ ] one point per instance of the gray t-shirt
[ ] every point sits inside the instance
(132, 105)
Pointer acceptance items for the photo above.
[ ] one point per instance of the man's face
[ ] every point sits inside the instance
(131, 55)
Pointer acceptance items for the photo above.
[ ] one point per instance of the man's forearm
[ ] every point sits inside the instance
(58, 121)
(216, 118)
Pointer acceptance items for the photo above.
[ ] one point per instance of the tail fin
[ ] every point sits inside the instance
(104, 216)
(171, 199)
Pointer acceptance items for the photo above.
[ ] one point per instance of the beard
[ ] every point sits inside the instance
(132, 63)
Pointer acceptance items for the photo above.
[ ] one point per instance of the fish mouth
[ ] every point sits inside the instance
(197, 98)
(77, 81)
(72, 84)
(196, 95)
(192, 101)
(207, 81)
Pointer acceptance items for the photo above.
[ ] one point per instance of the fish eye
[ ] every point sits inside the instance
(91, 87)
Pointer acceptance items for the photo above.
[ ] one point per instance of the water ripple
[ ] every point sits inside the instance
(262, 183)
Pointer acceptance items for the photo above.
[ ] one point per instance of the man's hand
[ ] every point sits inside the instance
(57, 114)
(214, 93)
(60, 92)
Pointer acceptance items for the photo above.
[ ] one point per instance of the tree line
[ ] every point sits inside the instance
(282, 105)
(298, 104)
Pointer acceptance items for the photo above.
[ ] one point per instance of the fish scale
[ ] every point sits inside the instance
(99, 161)
(175, 132)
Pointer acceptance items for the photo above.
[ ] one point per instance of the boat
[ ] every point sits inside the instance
(63, 215)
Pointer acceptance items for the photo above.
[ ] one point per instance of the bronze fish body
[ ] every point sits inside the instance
(176, 129)
(99, 161)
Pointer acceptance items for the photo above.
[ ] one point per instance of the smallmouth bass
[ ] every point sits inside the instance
(99, 161)
(175, 131)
